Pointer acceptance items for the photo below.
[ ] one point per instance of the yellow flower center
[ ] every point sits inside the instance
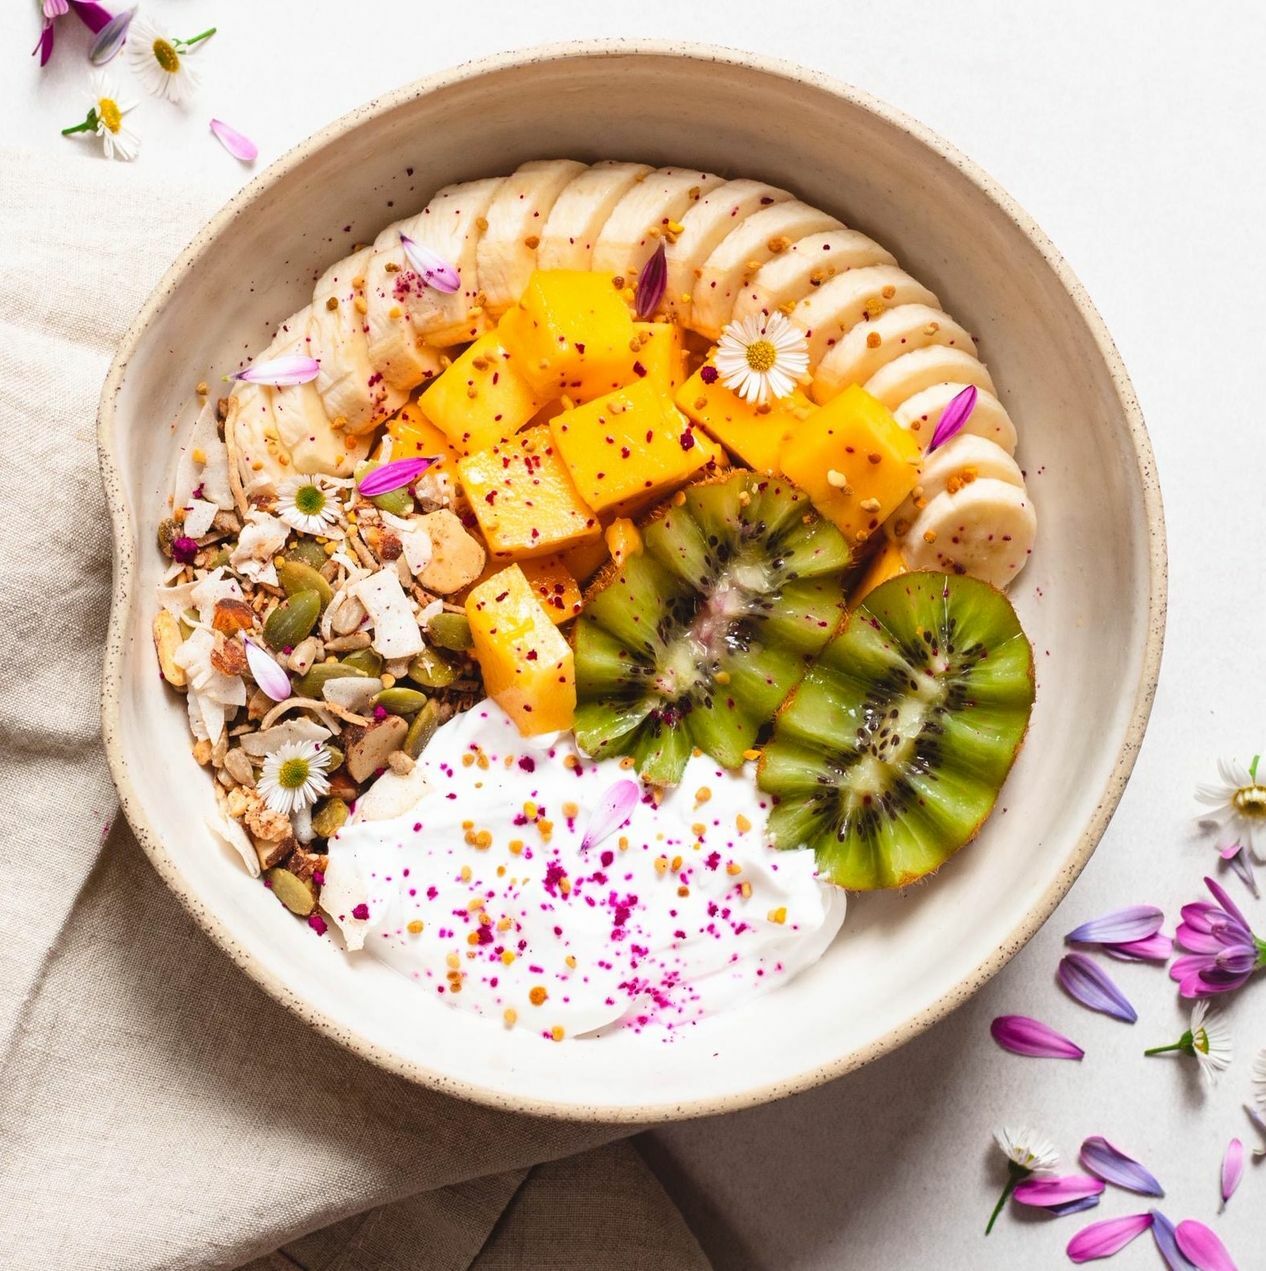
(309, 500)
(1201, 1041)
(1250, 801)
(293, 774)
(109, 113)
(166, 56)
(761, 356)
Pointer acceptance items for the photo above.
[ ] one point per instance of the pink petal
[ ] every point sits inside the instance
(651, 283)
(1103, 1239)
(1047, 1192)
(612, 813)
(281, 372)
(953, 417)
(1232, 1169)
(1023, 1035)
(1157, 948)
(392, 476)
(44, 45)
(55, 8)
(236, 143)
(93, 16)
(434, 270)
(267, 672)
(1202, 1247)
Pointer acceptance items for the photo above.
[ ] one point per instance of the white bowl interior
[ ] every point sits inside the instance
(1085, 598)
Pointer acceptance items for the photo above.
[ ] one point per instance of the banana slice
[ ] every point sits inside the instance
(922, 412)
(506, 253)
(395, 348)
(963, 459)
(250, 436)
(830, 311)
(911, 373)
(806, 265)
(703, 228)
(633, 230)
(763, 235)
(581, 210)
(876, 340)
(349, 388)
(986, 528)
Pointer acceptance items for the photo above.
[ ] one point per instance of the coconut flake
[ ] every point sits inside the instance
(203, 469)
(392, 795)
(231, 834)
(268, 740)
(351, 692)
(208, 591)
(210, 691)
(262, 537)
(396, 633)
(199, 515)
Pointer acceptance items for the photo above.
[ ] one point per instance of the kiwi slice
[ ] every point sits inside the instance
(891, 752)
(698, 639)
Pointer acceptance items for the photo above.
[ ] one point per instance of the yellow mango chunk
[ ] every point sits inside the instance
(623, 538)
(887, 563)
(555, 587)
(571, 333)
(585, 559)
(413, 436)
(754, 433)
(854, 461)
(524, 498)
(527, 665)
(629, 446)
(482, 397)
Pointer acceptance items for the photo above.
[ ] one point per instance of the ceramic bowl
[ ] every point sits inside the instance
(1092, 599)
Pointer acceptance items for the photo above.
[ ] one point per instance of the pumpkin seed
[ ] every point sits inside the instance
(311, 684)
(168, 533)
(330, 817)
(450, 631)
(399, 502)
(293, 619)
(299, 897)
(369, 661)
(308, 552)
(219, 557)
(336, 757)
(421, 729)
(401, 701)
(431, 670)
(296, 576)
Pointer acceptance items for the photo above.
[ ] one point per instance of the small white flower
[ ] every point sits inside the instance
(310, 505)
(1237, 806)
(105, 119)
(1027, 1148)
(762, 357)
(161, 62)
(293, 776)
(1210, 1040)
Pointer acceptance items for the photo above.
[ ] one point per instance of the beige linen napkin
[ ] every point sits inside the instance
(157, 1110)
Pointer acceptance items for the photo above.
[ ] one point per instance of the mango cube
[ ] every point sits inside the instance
(555, 587)
(754, 433)
(524, 498)
(629, 446)
(481, 397)
(623, 539)
(413, 436)
(854, 461)
(570, 334)
(887, 563)
(527, 665)
(585, 559)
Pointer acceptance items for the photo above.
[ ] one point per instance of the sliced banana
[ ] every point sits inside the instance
(506, 252)
(769, 232)
(637, 222)
(250, 437)
(922, 412)
(986, 528)
(581, 210)
(830, 311)
(913, 372)
(878, 339)
(703, 228)
(396, 350)
(965, 458)
(807, 265)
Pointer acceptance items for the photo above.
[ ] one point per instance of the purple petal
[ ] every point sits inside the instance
(237, 144)
(1046, 1193)
(953, 417)
(281, 372)
(392, 476)
(1086, 982)
(1113, 1166)
(1243, 870)
(1167, 1242)
(651, 283)
(111, 36)
(93, 16)
(1220, 895)
(1260, 1122)
(1157, 948)
(1232, 1169)
(1124, 925)
(44, 45)
(1073, 1207)
(433, 269)
(1202, 1248)
(1023, 1035)
(267, 673)
(612, 813)
(55, 8)
(1103, 1239)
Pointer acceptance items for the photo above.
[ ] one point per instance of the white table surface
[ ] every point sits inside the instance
(1132, 132)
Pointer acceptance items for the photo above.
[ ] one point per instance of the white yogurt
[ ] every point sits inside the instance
(483, 895)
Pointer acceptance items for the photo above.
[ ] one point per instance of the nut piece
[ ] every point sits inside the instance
(298, 896)
(457, 558)
(304, 864)
(273, 851)
(237, 764)
(372, 749)
(232, 616)
(305, 653)
(228, 656)
(167, 639)
(247, 805)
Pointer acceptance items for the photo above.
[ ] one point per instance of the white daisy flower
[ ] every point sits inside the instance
(105, 119)
(1027, 1148)
(293, 776)
(1210, 1040)
(762, 357)
(1259, 1079)
(161, 62)
(309, 504)
(1237, 806)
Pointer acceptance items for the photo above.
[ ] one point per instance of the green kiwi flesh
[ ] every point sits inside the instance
(697, 640)
(890, 754)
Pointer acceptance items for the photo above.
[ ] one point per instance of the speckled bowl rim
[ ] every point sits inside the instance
(133, 805)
